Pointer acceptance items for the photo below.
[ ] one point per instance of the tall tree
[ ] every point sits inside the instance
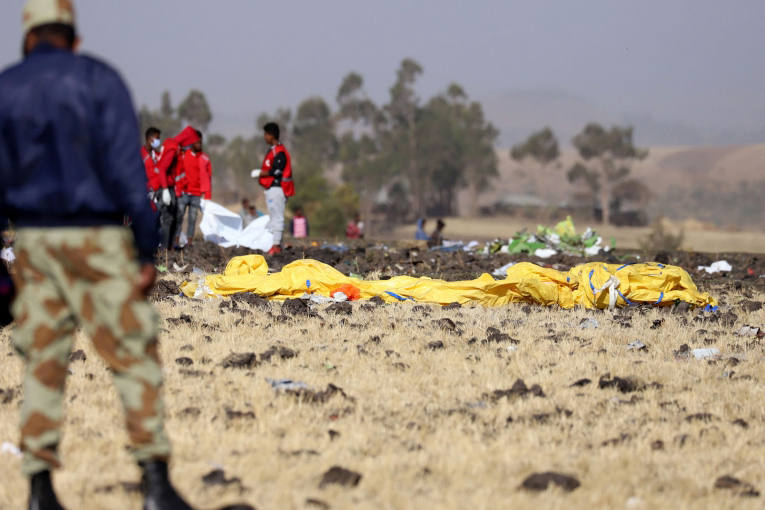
(607, 156)
(313, 138)
(541, 149)
(360, 144)
(164, 119)
(460, 146)
(402, 111)
(195, 110)
(480, 158)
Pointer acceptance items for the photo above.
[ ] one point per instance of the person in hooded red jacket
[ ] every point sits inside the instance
(167, 167)
(195, 179)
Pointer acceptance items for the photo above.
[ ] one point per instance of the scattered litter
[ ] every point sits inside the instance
(550, 241)
(637, 345)
(706, 353)
(287, 385)
(11, 449)
(749, 331)
(347, 291)
(717, 267)
(589, 323)
(339, 297)
(502, 271)
(179, 269)
(545, 253)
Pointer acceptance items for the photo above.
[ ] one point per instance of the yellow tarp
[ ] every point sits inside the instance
(525, 283)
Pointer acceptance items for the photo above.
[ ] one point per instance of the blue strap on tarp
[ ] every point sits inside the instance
(661, 298)
(400, 298)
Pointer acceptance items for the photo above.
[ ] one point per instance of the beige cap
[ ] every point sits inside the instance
(45, 12)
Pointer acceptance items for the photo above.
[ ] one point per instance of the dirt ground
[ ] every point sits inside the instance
(428, 411)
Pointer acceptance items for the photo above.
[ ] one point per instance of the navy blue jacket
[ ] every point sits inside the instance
(69, 155)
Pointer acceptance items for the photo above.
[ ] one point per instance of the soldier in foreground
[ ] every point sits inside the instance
(69, 171)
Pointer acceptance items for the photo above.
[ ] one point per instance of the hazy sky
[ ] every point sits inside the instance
(699, 62)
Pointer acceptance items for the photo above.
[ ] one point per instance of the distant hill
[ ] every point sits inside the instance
(720, 185)
(518, 113)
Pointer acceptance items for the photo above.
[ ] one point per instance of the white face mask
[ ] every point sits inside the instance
(155, 143)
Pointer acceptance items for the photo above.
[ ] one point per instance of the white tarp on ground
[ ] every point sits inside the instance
(223, 227)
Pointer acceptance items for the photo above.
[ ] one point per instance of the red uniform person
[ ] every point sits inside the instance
(192, 180)
(149, 155)
(168, 172)
(206, 176)
(276, 178)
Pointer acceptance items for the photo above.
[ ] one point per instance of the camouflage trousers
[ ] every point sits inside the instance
(88, 277)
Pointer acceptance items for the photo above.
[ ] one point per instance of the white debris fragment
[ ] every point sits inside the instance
(706, 353)
(589, 323)
(717, 267)
(636, 345)
(502, 271)
(287, 385)
(10, 449)
(747, 331)
(545, 253)
(593, 250)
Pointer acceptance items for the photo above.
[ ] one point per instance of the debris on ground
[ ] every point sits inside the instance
(739, 487)
(623, 384)
(340, 476)
(721, 266)
(706, 353)
(519, 390)
(538, 482)
(547, 242)
(240, 360)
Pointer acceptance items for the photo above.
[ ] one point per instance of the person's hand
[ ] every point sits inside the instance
(167, 198)
(255, 173)
(148, 277)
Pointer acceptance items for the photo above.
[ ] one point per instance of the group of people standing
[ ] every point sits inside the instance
(179, 177)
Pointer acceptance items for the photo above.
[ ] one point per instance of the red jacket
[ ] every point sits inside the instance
(169, 159)
(206, 176)
(195, 172)
(279, 166)
(151, 169)
(180, 177)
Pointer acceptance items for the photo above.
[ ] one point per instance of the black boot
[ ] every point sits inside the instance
(158, 492)
(41, 496)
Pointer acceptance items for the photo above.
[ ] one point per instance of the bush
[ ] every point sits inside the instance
(659, 239)
(329, 219)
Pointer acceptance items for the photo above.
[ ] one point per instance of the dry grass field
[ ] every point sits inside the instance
(421, 424)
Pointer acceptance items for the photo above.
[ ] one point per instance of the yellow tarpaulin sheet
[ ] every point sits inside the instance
(590, 285)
